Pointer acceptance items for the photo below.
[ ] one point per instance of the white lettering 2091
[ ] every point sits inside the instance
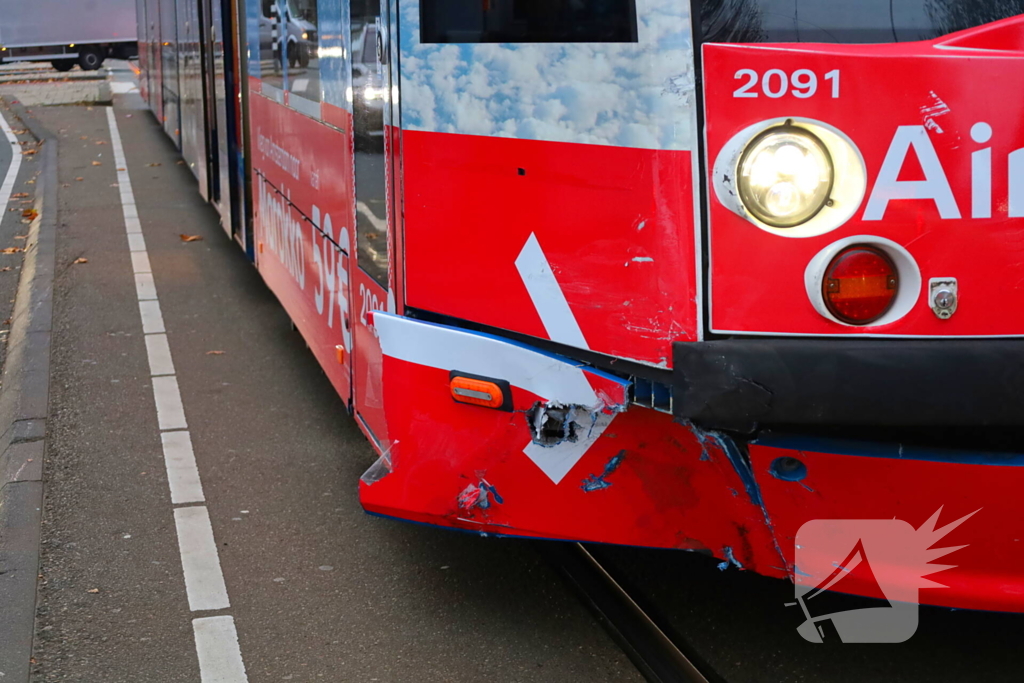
(775, 83)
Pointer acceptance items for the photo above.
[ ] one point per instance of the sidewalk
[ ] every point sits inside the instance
(39, 84)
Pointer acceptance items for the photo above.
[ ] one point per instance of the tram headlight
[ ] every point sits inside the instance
(785, 176)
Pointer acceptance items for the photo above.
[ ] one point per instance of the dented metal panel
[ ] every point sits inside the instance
(569, 462)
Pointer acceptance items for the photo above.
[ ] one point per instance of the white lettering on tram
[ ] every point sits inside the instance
(332, 286)
(935, 186)
(283, 233)
(284, 160)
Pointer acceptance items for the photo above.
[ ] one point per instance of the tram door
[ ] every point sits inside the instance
(154, 58)
(372, 282)
(169, 63)
(143, 43)
(215, 27)
(190, 82)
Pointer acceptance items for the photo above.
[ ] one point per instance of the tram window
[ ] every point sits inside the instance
(289, 47)
(528, 21)
(857, 21)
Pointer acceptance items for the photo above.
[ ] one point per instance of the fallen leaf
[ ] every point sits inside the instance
(20, 237)
(180, 162)
(114, 184)
(101, 142)
(19, 131)
(191, 238)
(19, 195)
(80, 260)
(120, 169)
(11, 250)
(155, 163)
(83, 137)
(30, 182)
(29, 152)
(14, 208)
(79, 178)
(93, 590)
(214, 353)
(97, 163)
(29, 213)
(5, 269)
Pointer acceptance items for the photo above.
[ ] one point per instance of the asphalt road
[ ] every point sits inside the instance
(318, 590)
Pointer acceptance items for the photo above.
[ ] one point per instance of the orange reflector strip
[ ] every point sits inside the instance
(339, 350)
(476, 392)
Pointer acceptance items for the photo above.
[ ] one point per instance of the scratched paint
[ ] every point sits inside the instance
(598, 482)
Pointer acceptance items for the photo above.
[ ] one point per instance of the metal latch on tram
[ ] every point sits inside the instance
(942, 296)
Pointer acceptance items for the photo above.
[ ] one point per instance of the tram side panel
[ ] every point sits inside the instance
(302, 175)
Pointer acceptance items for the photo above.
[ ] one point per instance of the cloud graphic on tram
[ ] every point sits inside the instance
(623, 94)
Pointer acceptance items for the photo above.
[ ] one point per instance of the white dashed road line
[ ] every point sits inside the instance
(220, 658)
(204, 581)
(12, 171)
(217, 646)
(182, 475)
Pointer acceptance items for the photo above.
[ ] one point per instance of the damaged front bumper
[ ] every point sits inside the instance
(572, 460)
(736, 383)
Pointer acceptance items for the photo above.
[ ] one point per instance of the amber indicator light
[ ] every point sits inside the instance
(477, 392)
(860, 285)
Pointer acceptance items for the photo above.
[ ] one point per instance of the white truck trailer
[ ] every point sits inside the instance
(67, 32)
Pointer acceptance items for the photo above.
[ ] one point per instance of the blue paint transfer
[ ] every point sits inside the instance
(493, 491)
(702, 438)
(595, 482)
(729, 559)
(739, 464)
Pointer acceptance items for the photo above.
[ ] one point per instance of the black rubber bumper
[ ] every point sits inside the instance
(949, 382)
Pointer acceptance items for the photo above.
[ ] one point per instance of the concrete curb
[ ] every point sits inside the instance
(24, 396)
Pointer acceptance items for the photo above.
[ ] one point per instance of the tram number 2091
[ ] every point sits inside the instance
(775, 83)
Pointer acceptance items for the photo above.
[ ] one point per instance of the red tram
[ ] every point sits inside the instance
(666, 273)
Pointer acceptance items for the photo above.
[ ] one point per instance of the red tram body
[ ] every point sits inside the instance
(573, 281)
